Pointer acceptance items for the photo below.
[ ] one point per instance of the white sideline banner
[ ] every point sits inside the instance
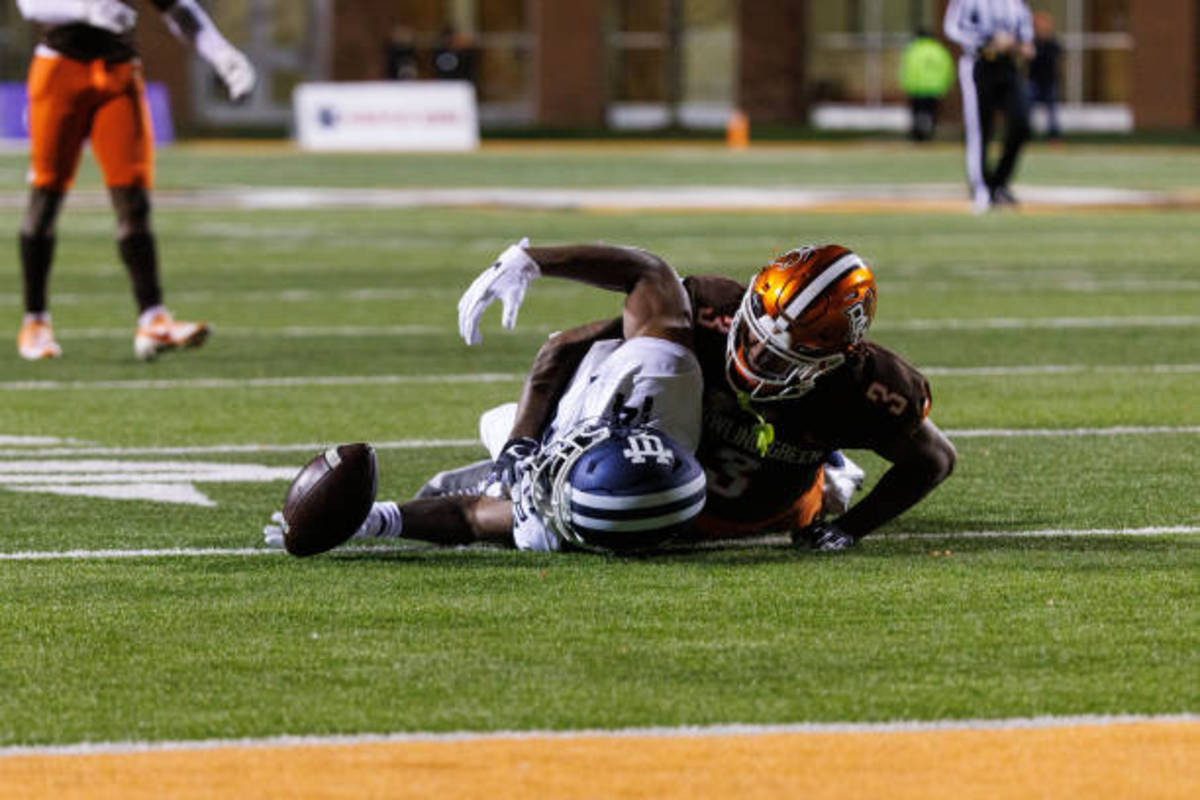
(386, 115)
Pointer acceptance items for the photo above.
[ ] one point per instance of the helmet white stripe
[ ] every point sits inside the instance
(837, 269)
(641, 524)
(616, 502)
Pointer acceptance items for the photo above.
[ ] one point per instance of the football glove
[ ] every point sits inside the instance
(505, 280)
(235, 70)
(824, 537)
(111, 15)
(273, 531)
(842, 479)
(503, 476)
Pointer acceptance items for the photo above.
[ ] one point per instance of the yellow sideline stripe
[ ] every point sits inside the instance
(1137, 759)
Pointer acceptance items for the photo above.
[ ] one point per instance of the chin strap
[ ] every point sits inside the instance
(764, 432)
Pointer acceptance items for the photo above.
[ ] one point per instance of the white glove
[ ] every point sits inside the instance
(842, 479)
(235, 70)
(506, 280)
(273, 532)
(111, 15)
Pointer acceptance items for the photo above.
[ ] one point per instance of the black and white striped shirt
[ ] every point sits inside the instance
(970, 23)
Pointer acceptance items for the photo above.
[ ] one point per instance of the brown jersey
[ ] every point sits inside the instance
(84, 42)
(869, 400)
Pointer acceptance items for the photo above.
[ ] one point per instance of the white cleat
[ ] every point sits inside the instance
(981, 202)
(162, 332)
(36, 341)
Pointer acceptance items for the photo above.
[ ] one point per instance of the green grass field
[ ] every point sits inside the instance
(1063, 349)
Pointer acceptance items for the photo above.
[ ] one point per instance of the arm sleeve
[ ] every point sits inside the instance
(53, 12)
(1025, 25)
(960, 28)
(190, 24)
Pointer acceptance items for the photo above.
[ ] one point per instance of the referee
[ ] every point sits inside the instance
(993, 35)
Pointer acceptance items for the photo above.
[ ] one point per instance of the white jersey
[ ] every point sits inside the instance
(640, 370)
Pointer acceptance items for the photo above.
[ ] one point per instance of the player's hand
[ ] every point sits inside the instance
(273, 531)
(503, 476)
(1001, 42)
(824, 537)
(842, 479)
(236, 72)
(111, 15)
(505, 280)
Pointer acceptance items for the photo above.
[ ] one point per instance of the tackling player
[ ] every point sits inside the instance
(789, 380)
(614, 469)
(85, 82)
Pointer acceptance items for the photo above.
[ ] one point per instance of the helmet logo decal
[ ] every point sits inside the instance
(859, 321)
(847, 263)
(645, 445)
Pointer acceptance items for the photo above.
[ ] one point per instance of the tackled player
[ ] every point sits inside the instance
(789, 380)
(613, 470)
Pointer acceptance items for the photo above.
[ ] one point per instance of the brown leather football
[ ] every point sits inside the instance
(329, 499)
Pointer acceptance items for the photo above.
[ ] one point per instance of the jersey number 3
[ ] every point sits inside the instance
(894, 402)
(731, 476)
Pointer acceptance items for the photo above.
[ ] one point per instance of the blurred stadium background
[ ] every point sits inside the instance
(647, 64)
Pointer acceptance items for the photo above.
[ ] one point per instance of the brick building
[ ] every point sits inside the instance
(648, 63)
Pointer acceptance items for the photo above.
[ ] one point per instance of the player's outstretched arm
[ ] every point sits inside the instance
(921, 460)
(190, 24)
(656, 303)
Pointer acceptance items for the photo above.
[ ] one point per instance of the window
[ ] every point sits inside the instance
(671, 62)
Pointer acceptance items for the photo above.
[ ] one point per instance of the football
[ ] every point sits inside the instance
(329, 499)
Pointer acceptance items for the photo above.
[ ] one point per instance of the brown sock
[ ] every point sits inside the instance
(37, 254)
(141, 259)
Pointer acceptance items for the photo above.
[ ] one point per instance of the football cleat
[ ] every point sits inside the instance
(465, 480)
(36, 341)
(824, 537)
(800, 316)
(162, 332)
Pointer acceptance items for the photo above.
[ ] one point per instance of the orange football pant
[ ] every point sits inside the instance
(800, 515)
(71, 101)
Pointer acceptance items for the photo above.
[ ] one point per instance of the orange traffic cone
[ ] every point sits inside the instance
(737, 130)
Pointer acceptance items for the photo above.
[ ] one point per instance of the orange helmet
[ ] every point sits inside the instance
(799, 317)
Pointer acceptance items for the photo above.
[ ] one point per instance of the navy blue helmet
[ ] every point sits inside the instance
(616, 486)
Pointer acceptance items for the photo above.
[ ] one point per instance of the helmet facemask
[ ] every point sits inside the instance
(545, 488)
(612, 487)
(762, 361)
(799, 317)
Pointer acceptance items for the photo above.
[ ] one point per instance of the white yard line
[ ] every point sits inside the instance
(1062, 369)
(293, 331)
(257, 448)
(685, 731)
(993, 278)
(987, 323)
(646, 198)
(505, 377)
(267, 383)
(214, 449)
(1038, 323)
(199, 552)
(1118, 430)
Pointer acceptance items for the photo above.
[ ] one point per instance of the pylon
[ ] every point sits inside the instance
(737, 130)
